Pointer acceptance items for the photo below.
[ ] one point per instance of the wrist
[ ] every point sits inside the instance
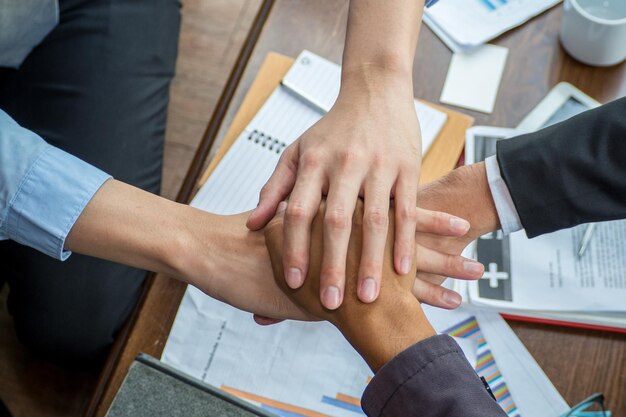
(387, 76)
(465, 193)
(385, 328)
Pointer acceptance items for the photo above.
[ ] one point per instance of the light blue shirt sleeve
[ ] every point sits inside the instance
(43, 189)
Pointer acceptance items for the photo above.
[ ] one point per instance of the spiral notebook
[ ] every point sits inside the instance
(307, 91)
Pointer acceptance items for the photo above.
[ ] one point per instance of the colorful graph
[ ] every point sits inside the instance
(485, 363)
(281, 409)
(486, 367)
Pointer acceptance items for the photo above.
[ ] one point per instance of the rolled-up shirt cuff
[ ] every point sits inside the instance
(427, 378)
(507, 213)
(50, 198)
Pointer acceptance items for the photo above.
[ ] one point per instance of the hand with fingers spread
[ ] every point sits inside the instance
(416, 371)
(429, 260)
(464, 192)
(367, 146)
(358, 321)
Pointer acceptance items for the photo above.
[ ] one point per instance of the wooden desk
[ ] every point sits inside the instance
(579, 362)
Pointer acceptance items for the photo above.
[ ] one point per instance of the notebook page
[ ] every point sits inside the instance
(317, 79)
(235, 184)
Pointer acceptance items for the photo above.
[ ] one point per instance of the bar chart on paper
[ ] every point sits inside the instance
(297, 369)
(485, 363)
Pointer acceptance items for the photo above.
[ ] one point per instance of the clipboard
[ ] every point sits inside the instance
(441, 158)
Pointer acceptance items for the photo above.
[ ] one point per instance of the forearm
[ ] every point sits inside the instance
(569, 173)
(383, 330)
(380, 44)
(127, 225)
(214, 253)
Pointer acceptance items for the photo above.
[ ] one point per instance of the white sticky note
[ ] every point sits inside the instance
(473, 78)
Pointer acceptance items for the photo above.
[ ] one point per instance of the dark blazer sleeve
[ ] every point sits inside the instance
(570, 173)
(430, 379)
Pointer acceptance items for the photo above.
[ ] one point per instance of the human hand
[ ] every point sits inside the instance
(230, 263)
(463, 192)
(380, 330)
(368, 145)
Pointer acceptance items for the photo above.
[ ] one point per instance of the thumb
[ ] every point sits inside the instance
(275, 189)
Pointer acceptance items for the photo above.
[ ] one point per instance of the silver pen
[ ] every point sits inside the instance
(584, 243)
(305, 97)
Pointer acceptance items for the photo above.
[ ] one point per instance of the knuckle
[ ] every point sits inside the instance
(378, 160)
(294, 257)
(311, 160)
(440, 220)
(407, 214)
(266, 191)
(372, 266)
(452, 264)
(331, 275)
(347, 157)
(296, 211)
(336, 218)
(376, 217)
(424, 292)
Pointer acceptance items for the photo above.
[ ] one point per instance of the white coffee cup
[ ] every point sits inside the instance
(594, 31)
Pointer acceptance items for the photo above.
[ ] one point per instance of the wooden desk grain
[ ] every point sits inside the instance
(579, 362)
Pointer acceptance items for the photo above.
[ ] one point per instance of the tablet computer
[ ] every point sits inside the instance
(561, 103)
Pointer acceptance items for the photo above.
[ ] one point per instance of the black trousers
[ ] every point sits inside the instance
(97, 87)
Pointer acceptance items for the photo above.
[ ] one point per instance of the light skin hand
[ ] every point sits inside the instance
(218, 255)
(368, 145)
(465, 193)
(429, 262)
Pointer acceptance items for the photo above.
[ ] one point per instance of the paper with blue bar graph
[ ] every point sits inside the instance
(297, 369)
(466, 24)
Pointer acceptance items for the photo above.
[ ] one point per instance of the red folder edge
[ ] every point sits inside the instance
(564, 323)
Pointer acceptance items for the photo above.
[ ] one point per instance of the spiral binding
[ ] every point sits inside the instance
(269, 142)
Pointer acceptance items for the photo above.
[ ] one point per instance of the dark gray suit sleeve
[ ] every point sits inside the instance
(571, 173)
(430, 379)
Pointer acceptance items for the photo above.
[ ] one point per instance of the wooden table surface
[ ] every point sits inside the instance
(579, 362)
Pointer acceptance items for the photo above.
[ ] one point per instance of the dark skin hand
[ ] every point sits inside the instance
(379, 330)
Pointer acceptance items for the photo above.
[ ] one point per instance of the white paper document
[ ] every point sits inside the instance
(546, 274)
(299, 369)
(474, 78)
(465, 24)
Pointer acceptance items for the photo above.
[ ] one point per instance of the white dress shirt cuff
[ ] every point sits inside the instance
(50, 199)
(507, 213)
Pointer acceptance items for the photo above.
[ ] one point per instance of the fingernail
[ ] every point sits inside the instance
(282, 206)
(459, 225)
(294, 278)
(473, 268)
(451, 298)
(330, 298)
(368, 290)
(405, 265)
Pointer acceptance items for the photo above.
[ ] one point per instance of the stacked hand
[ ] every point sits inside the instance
(348, 154)
(380, 330)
